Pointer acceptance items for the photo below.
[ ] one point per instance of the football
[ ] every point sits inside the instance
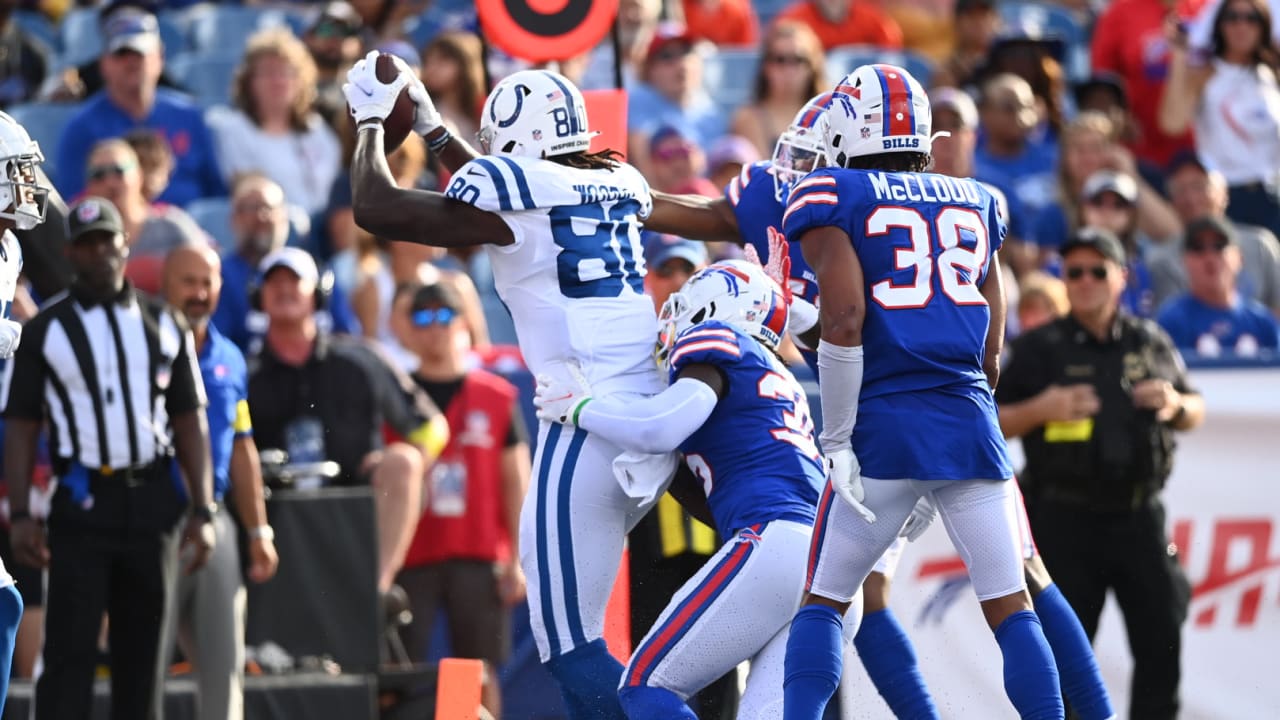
(397, 126)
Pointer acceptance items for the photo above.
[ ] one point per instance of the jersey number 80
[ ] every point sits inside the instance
(597, 258)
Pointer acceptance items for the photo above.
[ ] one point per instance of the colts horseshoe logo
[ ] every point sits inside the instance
(546, 30)
(520, 91)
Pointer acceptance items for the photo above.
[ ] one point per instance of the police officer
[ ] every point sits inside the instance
(1096, 396)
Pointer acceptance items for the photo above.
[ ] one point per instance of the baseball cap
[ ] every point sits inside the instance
(131, 28)
(298, 261)
(1110, 181)
(659, 248)
(1101, 80)
(1208, 226)
(667, 33)
(958, 102)
(1182, 159)
(732, 149)
(340, 16)
(1104, 241)
(664, 133)
(93, 213)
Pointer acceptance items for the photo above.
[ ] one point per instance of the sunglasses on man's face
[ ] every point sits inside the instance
(1099, 272)
(1244, 16)
(427, 317)
(98, 173)
(329, 30)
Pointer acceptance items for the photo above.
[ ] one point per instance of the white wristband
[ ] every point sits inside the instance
(262, 532)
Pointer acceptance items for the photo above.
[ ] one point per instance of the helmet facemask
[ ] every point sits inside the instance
(22, 198)
(797, 153)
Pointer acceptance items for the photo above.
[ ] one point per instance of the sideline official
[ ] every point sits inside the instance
(1096, 397)
(114, 374)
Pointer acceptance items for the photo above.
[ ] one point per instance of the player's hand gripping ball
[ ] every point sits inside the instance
(377, 89)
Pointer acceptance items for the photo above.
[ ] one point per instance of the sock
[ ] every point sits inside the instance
(1030, 677)
(10, 615)
(890, 660)
(813, 664)
(652, 703)
(1081, 679)
(589, 677)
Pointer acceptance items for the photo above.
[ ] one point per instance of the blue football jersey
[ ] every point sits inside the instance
(925, 243)
(755, 455)
(755, 203)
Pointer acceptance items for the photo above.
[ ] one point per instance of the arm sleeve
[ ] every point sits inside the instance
(841, 372)
(24, 375)
(654, 425)
(186, 387)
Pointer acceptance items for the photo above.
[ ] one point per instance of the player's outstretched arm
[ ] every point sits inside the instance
(429, 218)
(993, 291)
(696, 217)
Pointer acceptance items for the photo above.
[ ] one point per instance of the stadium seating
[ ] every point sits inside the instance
(213, 215)
(729, 75)
(1040, 20)
(207, 76)
(223, 29)
(44, 123)
(81, 39)
(844, 59)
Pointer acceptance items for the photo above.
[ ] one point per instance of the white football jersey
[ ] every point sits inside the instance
(10, 268)
(574, 277)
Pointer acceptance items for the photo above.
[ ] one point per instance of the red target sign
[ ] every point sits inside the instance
(546, 30)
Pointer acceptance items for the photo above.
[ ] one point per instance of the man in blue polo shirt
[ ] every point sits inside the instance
(211, 602)
(131, 63)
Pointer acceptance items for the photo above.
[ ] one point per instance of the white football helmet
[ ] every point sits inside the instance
(878, 109)
(801, 149)
(534, 113)
(22, 198)
(735, 292)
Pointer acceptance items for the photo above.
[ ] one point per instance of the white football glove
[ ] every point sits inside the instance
(846, 479)
(369, 97)
(921, 518)
(561, 399)
(10, 336)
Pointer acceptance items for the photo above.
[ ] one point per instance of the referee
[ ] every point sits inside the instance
(114, 375)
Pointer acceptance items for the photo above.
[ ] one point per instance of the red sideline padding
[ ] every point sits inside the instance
(617, 614)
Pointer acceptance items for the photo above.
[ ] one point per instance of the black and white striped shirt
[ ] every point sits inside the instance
(106, 376)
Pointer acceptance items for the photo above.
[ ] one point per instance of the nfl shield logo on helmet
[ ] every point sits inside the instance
(866, 133)
(537, 134)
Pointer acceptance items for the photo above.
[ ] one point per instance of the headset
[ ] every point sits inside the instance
(322, 294)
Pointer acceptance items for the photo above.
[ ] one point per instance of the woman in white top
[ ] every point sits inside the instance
(272, 129)
(1234, 103)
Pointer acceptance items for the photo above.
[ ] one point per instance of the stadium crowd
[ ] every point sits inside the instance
(225, 126)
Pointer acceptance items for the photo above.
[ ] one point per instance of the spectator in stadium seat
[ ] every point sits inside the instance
(637, 20)
(727, 156)
(722, 22)
(846, 22)
(1036, 58)
(1111, 203)
(1212, 316)
(335, 42)
(272, 128)
(1232, 103)
(1105, 92)
(453, 72)
(260, 224)
(976, 26)
(1042, 299)
(131, 63)
(77, 83)
(1129, 40)
(671, 94)
(677, 164)
(155, 160)
(464, 557)
(320, 396)
(1088, 145)
(151, 230)
(1197, 193)
(792, 69)
(24, 60)
(1006, 156)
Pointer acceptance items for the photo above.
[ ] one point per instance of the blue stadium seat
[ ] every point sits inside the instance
(1041, 20)
(44, 123)
(207, 76)
(82, 40)
(38, 26)
(845, 59)
(767, 10)
(226, 28)
(729, 76)
(214, 216)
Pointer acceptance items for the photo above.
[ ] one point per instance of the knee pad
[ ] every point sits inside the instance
(651, 703)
